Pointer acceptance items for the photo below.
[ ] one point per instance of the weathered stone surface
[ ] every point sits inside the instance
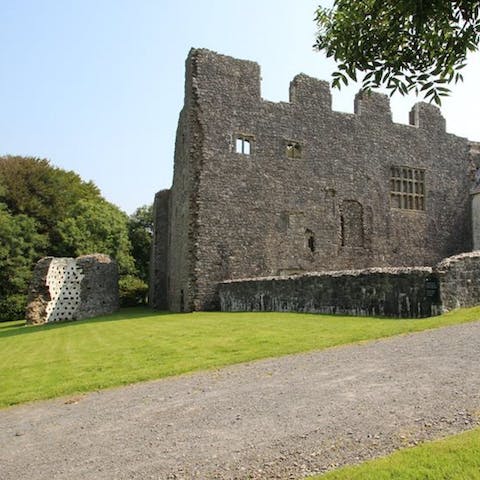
(327, 207)
(159, 252)
(459, 278)
(392, 292)
(72, 289)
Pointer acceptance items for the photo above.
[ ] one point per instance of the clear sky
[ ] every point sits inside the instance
(96, 86)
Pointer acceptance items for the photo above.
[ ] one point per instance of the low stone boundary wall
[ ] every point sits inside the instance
(459, 278)
(72, 289)
(391, 292)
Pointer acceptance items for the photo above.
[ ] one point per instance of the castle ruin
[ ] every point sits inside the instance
(264, 189)
(65, 289)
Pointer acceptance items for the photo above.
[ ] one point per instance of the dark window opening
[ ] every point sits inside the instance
(293, 150)
(182, 301)
(310, 237)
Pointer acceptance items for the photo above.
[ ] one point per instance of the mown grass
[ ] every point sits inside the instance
(137, 344)
(455, 458)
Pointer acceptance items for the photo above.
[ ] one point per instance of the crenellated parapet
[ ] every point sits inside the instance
(265, 188)
(225, 77)
(308, 91)
(238, 82)
(425, 115)
(373, 105)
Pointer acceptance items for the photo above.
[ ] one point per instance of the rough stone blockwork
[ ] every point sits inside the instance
(459, 278)
(269, 189)
(391, 292)
(72, 289)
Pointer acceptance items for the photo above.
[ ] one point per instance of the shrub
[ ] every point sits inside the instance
(133, 291)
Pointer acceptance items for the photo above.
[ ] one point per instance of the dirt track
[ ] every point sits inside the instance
(280, 418)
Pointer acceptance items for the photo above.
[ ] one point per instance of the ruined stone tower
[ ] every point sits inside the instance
(263, 188)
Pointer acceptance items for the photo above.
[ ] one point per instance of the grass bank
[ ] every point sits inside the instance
(134, 345)
(455, 458)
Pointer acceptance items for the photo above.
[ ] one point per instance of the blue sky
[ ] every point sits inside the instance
(96, 86)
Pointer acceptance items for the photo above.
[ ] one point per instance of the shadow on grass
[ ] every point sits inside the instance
(123, 314)
(11, 324)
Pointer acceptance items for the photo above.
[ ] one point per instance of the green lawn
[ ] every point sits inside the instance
(137, 344)
(455, 458)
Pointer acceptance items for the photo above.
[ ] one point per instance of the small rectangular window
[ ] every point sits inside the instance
(407, 188)
(243, 145)
(293, 150)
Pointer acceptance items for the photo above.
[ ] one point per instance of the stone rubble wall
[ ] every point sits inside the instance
(233, 215)
(158, 297)
(71, 289)
(459, 278)
(392, 292)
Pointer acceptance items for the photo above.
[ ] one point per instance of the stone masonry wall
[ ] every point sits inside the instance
(459, 278)
(326, 207)
(158, 294)
(391, 292)
(72, 289)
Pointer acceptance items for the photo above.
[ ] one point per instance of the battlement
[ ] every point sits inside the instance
(238, 81)
(265, 188)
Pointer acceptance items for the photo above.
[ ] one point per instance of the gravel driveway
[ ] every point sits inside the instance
(278, 418)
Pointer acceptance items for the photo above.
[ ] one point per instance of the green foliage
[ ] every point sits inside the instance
(137, 344)
(405, 45)
(455, 458)
(32, 187)
(48, 211)
(20, 246)
(96, 226)
(140, 231)
(133, 291)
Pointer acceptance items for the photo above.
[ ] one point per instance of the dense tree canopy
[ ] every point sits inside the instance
(94, 225)
(48, 211)
(20, 246)
(404, 45)
(140, 228)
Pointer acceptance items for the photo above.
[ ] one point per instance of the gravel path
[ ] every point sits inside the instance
(279, 418)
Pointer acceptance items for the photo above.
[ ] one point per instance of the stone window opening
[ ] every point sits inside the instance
(243, 145)
(407, 188)
(352, 232)
(310, 240)
(293, 150)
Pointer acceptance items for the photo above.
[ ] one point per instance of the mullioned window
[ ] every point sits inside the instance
(407, 188)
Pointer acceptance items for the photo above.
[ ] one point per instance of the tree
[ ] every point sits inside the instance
(405, 45)
(45, 210)
(20, 246)
(33, 187)
(140, 231)
(97, 226)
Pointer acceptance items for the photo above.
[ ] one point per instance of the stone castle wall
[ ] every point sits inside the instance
(312, 190)
(391, 292)
(71, 289)
(459, 278)
(159, 252)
